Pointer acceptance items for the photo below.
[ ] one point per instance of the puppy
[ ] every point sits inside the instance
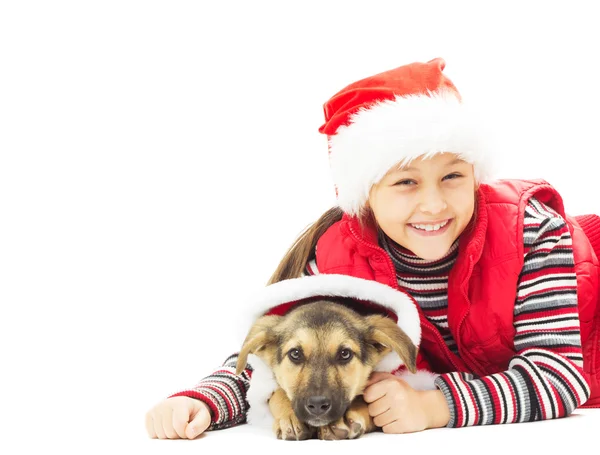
(321, 354)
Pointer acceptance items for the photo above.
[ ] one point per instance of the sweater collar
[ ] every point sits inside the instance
(406, 261)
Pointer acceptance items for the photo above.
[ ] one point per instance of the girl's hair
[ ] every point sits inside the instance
(302, 251)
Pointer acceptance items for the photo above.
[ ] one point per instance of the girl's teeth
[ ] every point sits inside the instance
(430, 227)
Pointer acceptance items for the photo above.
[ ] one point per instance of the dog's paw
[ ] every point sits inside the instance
(290, 428)
(345, 428)
(342, 429)
(354, 424)
(358, 420)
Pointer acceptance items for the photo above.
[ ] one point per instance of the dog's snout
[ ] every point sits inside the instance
(318, 405)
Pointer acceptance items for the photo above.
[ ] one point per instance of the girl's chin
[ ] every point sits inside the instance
(431, 255)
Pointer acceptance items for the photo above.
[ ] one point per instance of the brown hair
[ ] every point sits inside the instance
(302, 251)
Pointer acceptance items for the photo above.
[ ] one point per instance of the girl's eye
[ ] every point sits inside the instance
(295, 355)
(410, 182)
(345, 355)
(452, 176)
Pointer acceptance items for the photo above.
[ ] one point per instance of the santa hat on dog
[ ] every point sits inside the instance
(367, 296)
(393, 117)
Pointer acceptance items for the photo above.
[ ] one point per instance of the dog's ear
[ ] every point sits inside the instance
(385, 333)
(258, 337)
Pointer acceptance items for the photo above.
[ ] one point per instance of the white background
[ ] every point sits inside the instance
(158, 158)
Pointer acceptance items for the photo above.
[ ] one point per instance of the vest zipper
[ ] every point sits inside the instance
(468, 359)
(422, 319)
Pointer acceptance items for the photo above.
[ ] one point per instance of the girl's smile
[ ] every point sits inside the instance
(430, 229)
(425, 206)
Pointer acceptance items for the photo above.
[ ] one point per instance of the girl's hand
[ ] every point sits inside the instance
(178, 418)
(398, 408)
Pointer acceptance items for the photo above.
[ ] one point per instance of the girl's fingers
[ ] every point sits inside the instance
(376, 391)
(167, 424)
(180, 421)
(150, 426)
(379, 407)
(384, 419)
(199, 423)
(158, 426)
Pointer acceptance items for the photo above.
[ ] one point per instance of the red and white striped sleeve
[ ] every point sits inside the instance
(544, 379)
(225, 394)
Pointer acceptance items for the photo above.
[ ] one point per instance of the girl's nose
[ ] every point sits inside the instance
(432, 201)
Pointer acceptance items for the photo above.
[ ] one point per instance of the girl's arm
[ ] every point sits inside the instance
(544, 380)
(224, 392)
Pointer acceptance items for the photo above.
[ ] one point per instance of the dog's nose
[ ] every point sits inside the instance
(318, 405)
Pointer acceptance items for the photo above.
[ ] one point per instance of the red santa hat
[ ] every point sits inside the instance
(391, 118)
(367, 297)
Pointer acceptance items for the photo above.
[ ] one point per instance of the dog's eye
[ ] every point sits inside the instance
(295, 355)
(345, 355)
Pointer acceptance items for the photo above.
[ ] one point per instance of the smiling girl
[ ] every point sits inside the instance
(506, 283)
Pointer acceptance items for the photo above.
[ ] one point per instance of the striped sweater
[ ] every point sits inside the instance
(543, 380)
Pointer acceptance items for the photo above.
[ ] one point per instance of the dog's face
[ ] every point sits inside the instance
(322, 355)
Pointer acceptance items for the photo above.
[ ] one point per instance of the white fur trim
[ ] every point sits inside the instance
(421, 380)
(389, 363)
(393, 132)
(262, 386)
(324, 285)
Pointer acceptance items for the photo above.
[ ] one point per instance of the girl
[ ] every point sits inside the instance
(506, 283)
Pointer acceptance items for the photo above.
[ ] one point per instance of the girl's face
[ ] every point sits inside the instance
(426, 205)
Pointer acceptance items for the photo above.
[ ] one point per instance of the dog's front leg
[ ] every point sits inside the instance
(286, 424)
(354, 424)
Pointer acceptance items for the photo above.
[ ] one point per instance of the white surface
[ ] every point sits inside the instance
(554, 436)
(157, 159)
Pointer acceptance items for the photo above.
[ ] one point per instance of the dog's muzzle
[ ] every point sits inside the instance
(319, 410)
(318, 405)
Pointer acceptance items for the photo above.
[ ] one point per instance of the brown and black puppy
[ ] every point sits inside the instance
(321, 355)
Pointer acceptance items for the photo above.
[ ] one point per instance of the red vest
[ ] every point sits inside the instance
(483, 281)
